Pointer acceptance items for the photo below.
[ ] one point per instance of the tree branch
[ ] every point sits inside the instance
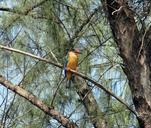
(78, 31)
(96, 116)
(30, 55)
(74, 72)
(13, 10)
(35, 101)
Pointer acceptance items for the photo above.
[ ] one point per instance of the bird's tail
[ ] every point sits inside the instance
(70, 81)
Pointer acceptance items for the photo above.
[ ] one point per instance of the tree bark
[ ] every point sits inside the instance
(135, 50)
(35, 101)
(85, 93)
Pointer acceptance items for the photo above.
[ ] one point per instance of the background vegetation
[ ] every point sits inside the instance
(48, 29)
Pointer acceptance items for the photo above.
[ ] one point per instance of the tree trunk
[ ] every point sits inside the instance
(90, 104)
(135, 50)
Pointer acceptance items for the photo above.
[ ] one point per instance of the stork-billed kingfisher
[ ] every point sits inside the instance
(72, 63)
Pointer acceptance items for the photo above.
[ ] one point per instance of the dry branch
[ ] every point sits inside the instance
(35, 101)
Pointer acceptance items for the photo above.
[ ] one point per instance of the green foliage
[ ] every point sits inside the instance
(49, 31)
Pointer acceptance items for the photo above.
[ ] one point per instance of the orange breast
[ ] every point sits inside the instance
(72, 63)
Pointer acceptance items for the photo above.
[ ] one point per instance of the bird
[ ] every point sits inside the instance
(71, 63)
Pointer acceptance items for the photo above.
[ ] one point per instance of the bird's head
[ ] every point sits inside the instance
(76, 51)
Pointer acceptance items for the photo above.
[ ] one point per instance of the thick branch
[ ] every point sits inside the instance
(74, 72)
(35, 101)
(96, 116)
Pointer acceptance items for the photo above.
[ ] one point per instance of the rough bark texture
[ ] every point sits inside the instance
(91, 106)
(35, 101)
(135, 50)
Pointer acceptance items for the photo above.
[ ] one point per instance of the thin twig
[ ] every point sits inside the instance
(55, 94)
(22, 12)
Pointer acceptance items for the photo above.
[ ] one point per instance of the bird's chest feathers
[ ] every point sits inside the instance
(72, 61)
